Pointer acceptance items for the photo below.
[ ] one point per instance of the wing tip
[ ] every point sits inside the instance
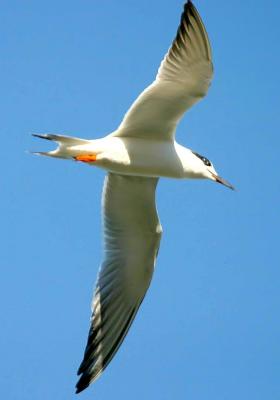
(87, 378)
(189, 6)
(82, 383)
(191, 10)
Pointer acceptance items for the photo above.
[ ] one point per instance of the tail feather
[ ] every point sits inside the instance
(61, 139)
(64, 142)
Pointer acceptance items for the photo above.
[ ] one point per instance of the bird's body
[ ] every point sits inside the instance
(137, 157)
(141, 150)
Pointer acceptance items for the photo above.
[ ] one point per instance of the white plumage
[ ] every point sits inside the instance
(140, 151)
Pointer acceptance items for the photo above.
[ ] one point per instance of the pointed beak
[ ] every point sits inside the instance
(218, 179)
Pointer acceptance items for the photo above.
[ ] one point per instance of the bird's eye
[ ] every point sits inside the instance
(203, 159)
(206, 161)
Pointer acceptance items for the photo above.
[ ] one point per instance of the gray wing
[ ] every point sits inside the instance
(132, 233)
(183, 79)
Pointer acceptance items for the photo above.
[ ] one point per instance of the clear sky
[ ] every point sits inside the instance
(209, 327)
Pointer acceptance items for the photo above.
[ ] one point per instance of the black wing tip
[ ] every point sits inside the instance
(82, 366)
(189, 5)
(191, 11)
(82, 383)
(80, 370)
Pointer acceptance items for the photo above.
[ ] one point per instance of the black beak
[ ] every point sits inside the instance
(223, 182)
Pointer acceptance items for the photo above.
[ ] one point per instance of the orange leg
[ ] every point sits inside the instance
(86, 158)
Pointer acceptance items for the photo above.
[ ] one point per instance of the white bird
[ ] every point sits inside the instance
(140, 151)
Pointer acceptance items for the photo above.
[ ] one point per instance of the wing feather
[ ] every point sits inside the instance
(132, 234)
(183, 79)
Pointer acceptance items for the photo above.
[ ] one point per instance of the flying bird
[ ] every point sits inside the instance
(140, 151)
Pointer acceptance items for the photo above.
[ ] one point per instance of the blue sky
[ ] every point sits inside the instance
(209, 326)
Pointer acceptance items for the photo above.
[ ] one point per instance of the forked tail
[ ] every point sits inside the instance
(64, 145)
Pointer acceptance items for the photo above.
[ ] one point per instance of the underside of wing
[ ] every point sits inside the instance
(132, 235)
(183, 79)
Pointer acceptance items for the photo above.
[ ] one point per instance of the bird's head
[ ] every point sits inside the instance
(207, 170)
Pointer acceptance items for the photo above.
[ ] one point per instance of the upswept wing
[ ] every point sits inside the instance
(132, 234)
(183, 78)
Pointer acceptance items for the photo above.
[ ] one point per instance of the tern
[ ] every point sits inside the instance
(135, 156)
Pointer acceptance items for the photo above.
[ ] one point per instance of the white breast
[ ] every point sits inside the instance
(133, 156)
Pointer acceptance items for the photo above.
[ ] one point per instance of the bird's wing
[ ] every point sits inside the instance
(183, 78)
(132, 234)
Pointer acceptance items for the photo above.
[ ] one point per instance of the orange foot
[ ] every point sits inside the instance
(86, 158)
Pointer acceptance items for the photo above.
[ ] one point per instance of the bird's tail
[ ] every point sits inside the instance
(65, 143)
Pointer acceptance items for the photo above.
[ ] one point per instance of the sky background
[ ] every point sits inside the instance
(209, 327)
